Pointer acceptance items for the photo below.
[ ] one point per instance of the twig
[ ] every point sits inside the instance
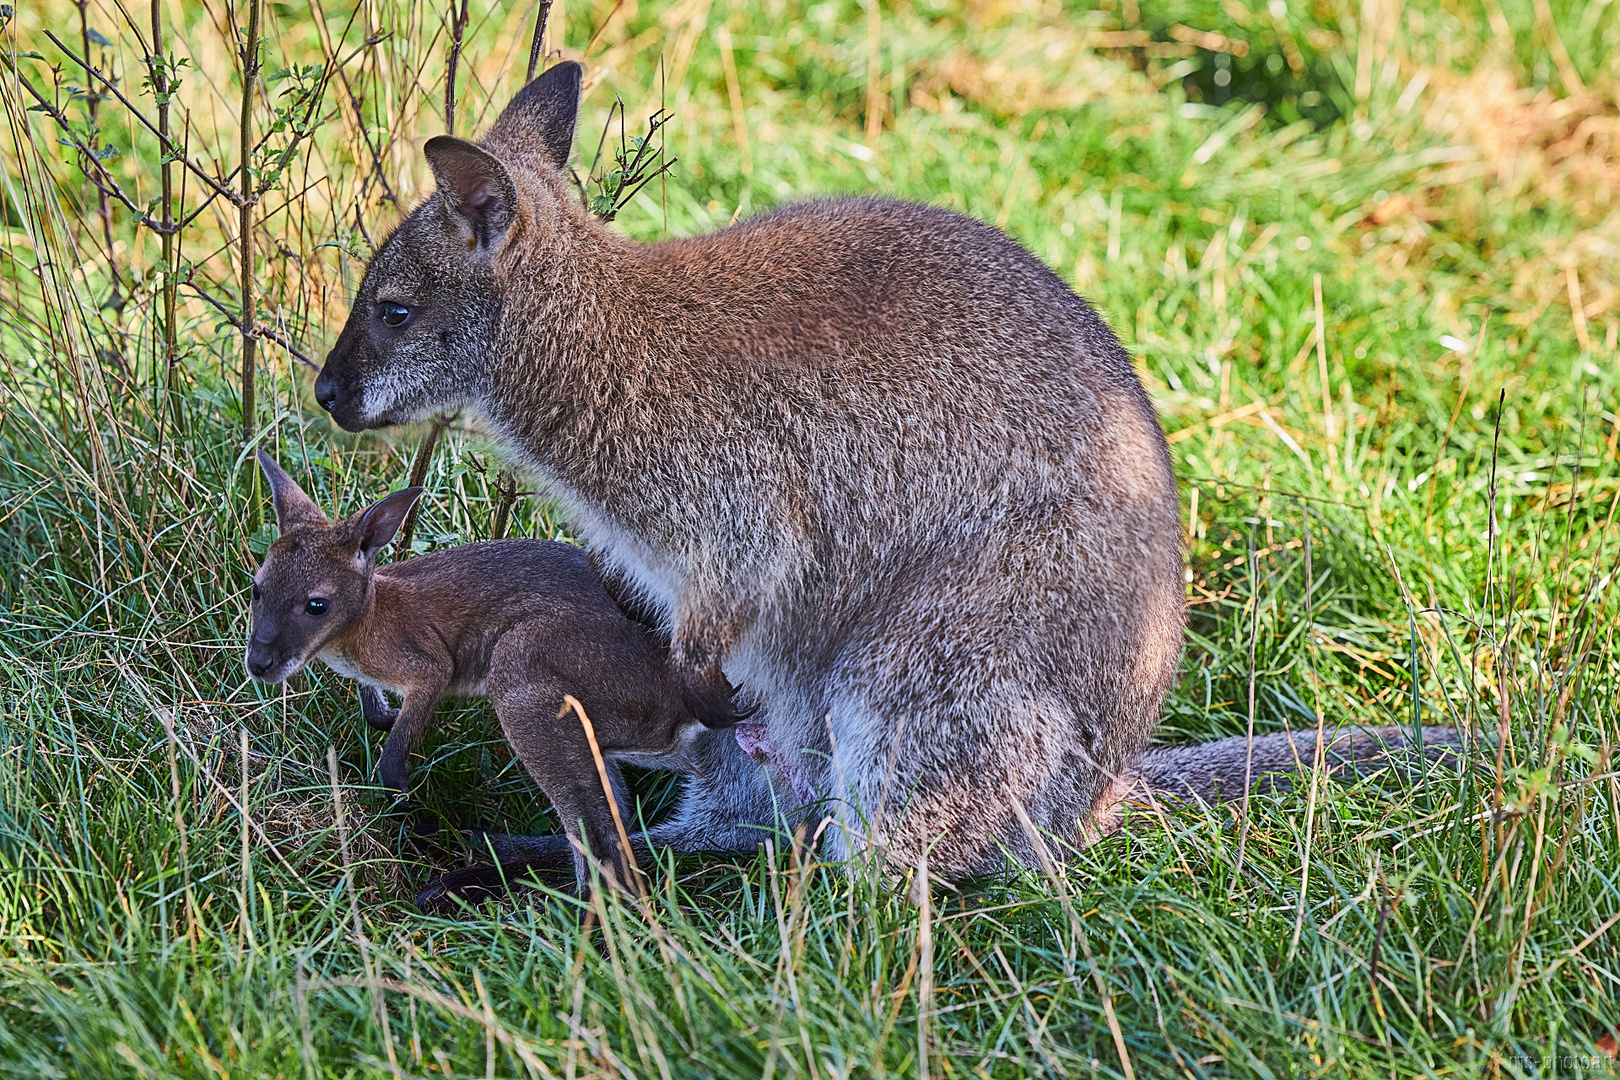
(505, 495)
(167, 143)
(540, 20)
(249, 199)
(418, 474)
(633, 872)
(106, 178)
(1248, 755)
(92, 101)
(458, 24)
(263, 331)
(157, 68)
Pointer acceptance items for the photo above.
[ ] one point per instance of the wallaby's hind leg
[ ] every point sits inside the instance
(529, 680)
(1030, 722)
(547, 858)
(729, 804)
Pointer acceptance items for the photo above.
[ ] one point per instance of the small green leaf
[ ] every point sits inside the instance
(95, 38)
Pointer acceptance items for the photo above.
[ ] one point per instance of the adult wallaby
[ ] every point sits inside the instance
(872, 461)
(523, 622)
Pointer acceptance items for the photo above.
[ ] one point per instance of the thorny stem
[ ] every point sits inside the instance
(505, 496)
(419, 468)
(458, 24)
(168, 144)
(538, 42)
(250, 78)
(92, 101)
(156, 64)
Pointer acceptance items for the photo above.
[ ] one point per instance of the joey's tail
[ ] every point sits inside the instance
(1214, 771)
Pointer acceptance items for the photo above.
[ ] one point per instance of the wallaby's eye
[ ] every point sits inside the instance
(317, 606)
(393, 314)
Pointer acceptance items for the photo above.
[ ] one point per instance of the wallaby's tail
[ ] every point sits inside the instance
(1213, 771)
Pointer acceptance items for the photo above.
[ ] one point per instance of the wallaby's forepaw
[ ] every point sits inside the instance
(712, 700)
(382, 720)
(376, 710)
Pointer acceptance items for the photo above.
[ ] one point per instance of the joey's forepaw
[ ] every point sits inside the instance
(381, 719)
(712, 701)
(375, 709)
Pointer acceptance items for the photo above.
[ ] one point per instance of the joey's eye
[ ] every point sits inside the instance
(393, 314)
(317, 606)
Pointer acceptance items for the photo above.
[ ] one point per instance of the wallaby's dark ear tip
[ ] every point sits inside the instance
(440, 144)
(558, 84)
(540, 117)
(567, 73)
(292, 506)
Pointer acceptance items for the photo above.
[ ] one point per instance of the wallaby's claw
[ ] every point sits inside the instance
(713, 702)
(375, 708)
(382, 721)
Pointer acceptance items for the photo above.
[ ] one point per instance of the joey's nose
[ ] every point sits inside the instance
(260, 660)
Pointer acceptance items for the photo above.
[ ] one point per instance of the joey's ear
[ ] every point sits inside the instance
(540, 118)
(379, 522)
(293, 507)
(475, 185)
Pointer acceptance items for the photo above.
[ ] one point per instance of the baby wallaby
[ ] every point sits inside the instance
(523, 622)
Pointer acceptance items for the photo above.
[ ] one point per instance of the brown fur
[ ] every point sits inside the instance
(523, 622)
(870, 460)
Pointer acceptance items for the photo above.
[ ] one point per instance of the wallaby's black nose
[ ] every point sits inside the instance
(259, 664)
(326, 394)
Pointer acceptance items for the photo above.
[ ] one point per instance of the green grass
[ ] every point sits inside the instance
(176, 901)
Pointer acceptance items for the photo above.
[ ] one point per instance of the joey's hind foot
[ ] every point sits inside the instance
(474, 886)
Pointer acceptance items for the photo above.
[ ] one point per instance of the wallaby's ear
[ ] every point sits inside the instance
(540, 118)
(475, 185)
(293, 507)
(379, 522)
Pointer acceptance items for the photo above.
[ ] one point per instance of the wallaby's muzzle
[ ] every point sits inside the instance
(340, 400)
(265, 662)
(338, 388)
